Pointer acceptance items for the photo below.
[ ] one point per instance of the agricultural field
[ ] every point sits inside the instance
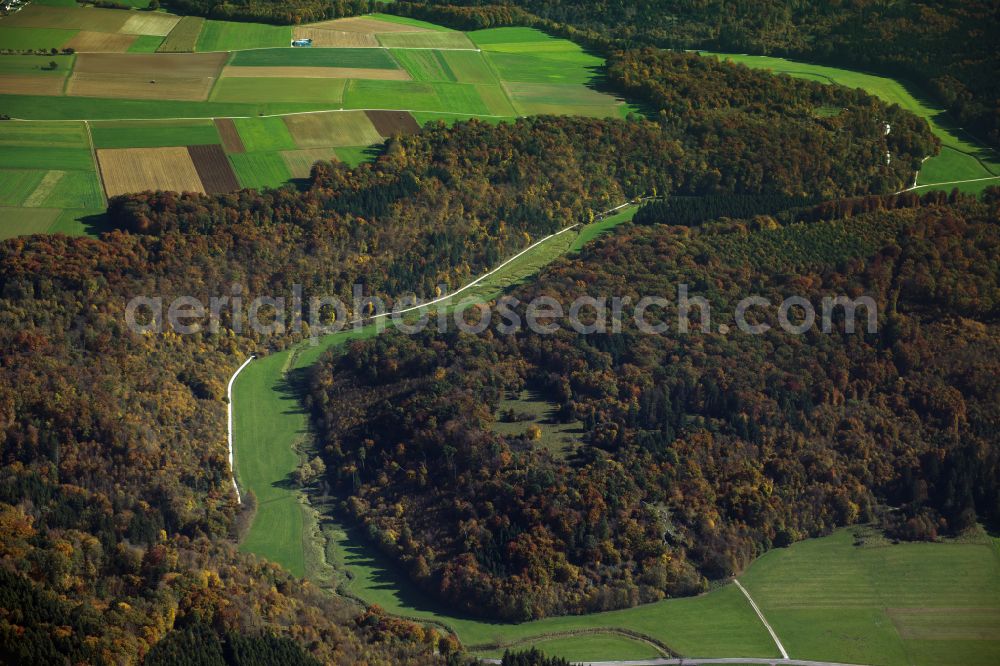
(316, 130)
(452, 81)
(153, 133)
(326, 38)
(184, 36)
(34, 75)
(214, 170)
(352, 156)
(379, 23)
(260, 169)
(150, 23)
(146, 44)
(101, 42)
(426, 40)
(452, 66)
(162, 76)
(300, 162)
(388, 123)
(315, 73)
(469, 67)
(962, 158)
(555, 98)
(44, 168)
(322, 93)
(18, 221)
(459, 98)
(71, 18)
(135, 72)
(20, 38)
(264, 134)
(125, 170)
(32, 65)
(315, 57)
(230, 36)
(229, 135)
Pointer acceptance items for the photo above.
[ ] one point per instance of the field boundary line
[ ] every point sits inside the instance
(950, 182)
(263, 115)
(97, 164)
(697, 661)
(372, 48)
(229, 415)
(661, 647)
(767, 625)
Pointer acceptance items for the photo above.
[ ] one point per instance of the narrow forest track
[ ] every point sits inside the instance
(695, 661)
(767, 625)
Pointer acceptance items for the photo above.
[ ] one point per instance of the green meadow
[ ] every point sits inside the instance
(234, 36)
(36, 65)
(34, 38)
(405, 20)
(260, 170)
(879, 603)
(17, 184)
(425, 40)
(40, 107)
(415, 96)
(19, 221)
(146, 44)
(317, 57)
(264, 134)
(319, 94)
(151, 134)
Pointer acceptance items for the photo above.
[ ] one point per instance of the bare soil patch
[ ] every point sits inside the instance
(388, 123)
(213, 169)
(230, 136)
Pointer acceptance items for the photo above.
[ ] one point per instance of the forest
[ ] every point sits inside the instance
(119, 521)
(946, 48)
(698, 452)
(269, 11)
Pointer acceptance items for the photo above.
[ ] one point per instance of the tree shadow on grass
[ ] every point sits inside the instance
(95, 225)
(386, 575)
